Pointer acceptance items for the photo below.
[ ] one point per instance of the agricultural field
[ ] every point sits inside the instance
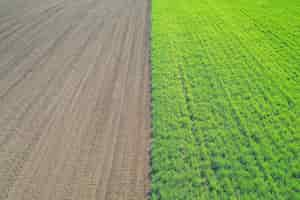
(225, 99)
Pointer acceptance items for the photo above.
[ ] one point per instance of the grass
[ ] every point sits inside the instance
(226, 97)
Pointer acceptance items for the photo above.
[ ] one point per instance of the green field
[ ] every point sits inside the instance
(226, 99)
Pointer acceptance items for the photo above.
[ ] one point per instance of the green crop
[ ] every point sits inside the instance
(225, 98)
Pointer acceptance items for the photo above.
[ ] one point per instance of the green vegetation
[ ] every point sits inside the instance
(226, 97)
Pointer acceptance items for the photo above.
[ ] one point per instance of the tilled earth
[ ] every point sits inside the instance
(74, 99)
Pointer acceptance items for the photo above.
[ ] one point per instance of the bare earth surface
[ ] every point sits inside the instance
(74, 99)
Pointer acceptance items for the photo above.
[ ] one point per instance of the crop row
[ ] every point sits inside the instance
(226, 96)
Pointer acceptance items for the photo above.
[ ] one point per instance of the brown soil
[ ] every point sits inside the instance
(74, 99)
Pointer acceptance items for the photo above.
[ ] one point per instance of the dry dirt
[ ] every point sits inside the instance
(74, 99)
